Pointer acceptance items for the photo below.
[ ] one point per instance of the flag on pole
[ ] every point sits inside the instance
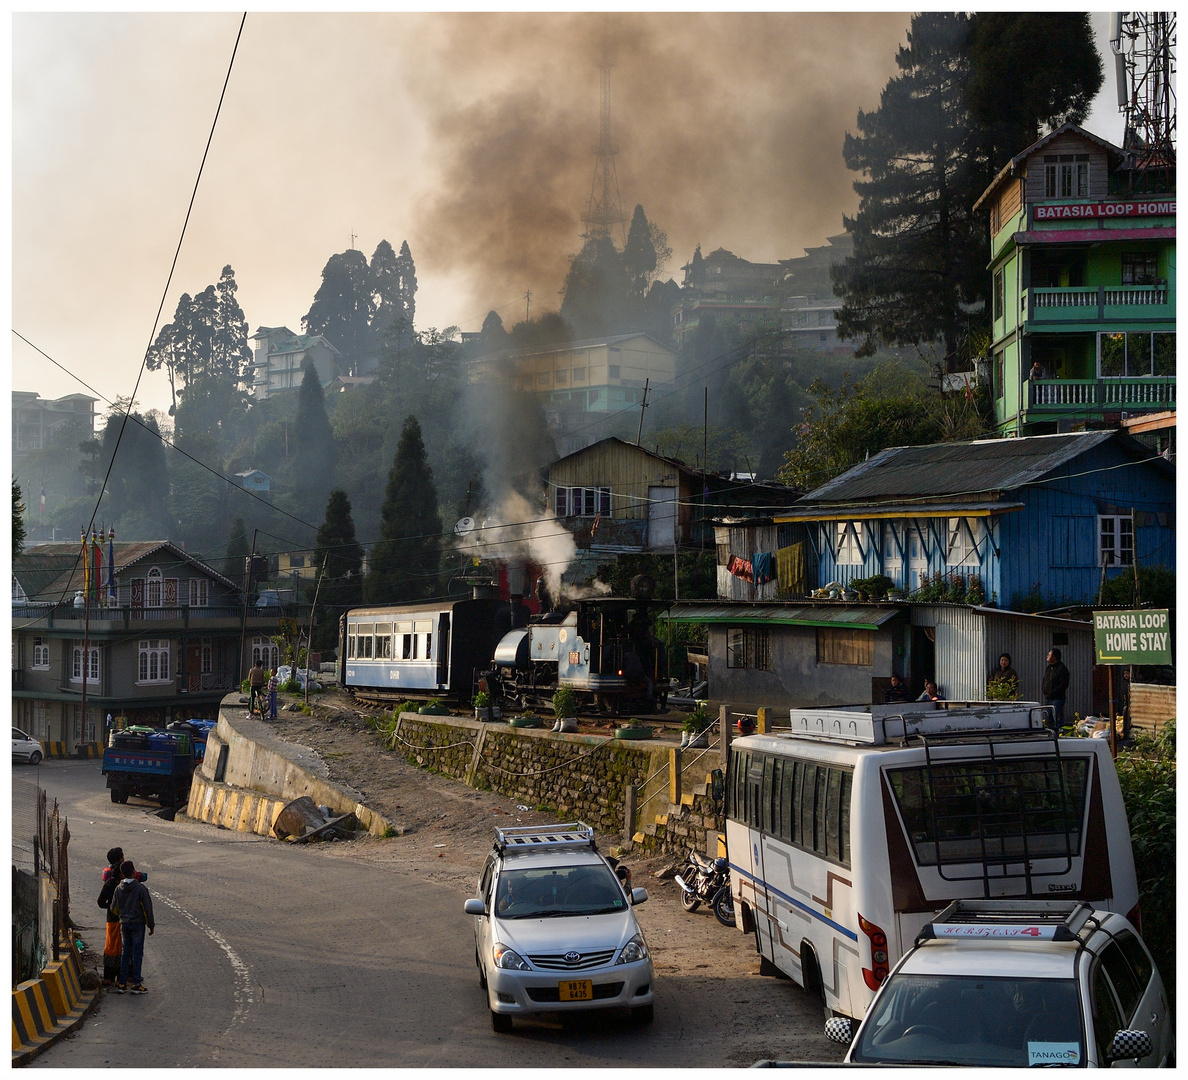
(41, 514)
(111, 585)
(97, 550)
(86, 563)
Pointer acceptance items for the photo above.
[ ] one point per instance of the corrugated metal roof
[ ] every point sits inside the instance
(956, 468)
(855, 616)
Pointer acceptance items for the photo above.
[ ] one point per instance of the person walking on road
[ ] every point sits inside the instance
(257, 679)
(272, 685)
(1055, 686)
(134, 907)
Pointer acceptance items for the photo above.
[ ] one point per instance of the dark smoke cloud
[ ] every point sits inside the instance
(729, 130)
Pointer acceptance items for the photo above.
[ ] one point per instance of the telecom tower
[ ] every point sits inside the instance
(604, 212)
(1143, 43)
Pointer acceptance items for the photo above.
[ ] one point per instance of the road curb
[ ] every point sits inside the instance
(48, 1007)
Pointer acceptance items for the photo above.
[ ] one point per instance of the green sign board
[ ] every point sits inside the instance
(1132, 637)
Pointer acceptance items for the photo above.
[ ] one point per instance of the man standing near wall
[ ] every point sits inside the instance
(1055, 686)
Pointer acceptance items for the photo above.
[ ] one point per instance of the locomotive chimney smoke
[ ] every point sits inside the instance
(507, 433)
(585, 592)
(517, 533)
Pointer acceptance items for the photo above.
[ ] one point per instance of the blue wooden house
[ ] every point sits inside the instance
(1053, 514)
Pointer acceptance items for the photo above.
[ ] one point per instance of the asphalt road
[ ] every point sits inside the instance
(270, 955)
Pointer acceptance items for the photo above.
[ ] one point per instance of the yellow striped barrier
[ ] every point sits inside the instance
(46, 1008)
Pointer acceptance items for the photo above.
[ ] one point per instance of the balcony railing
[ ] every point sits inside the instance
(67, 612)
(1097, 302)
(1103, 395)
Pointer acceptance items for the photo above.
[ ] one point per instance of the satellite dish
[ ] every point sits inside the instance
(464, 526)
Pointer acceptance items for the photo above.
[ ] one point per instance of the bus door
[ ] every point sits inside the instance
(758, 811)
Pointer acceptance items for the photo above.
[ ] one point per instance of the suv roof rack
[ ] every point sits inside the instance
(1046, 920)
(536, 837)
(881, 726)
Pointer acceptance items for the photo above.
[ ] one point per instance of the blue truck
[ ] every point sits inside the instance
(150, 765)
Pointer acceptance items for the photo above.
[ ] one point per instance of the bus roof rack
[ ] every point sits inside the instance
(537, 837)
(912, 719)
(1028, 920)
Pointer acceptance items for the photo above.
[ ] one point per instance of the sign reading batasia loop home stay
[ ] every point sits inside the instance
(1079, 210)
(1132, 637)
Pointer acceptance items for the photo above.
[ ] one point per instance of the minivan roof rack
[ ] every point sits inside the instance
(914, 720)
(536, 837)
(1048, 920)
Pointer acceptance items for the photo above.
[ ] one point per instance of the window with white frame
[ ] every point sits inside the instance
(582, 502)
(1115, 540)
(199, 592)
(266, 651)
(152, 596)
(41, 653)
(76, 664)
(1066, 176)
(153, 661)
(964, 537)
(40, 721)
(848, 553)
(207, 656)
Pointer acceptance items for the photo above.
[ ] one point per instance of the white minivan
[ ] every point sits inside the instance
(554, 929)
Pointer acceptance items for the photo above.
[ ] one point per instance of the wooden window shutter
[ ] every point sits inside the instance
(170, 593)
(138, 592)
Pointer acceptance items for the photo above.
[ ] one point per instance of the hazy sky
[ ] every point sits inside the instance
(469, 136)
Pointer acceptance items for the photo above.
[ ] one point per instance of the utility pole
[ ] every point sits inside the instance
(528, 306)
(309, 633)
(243, 625)
(642, 405)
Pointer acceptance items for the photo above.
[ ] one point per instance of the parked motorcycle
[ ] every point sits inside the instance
(707, 881)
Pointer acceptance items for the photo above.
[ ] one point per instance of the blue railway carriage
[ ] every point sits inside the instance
(430, 649)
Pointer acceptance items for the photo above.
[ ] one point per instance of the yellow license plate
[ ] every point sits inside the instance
(576, 990)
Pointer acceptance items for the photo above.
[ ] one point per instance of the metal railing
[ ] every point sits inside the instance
(1112, 392)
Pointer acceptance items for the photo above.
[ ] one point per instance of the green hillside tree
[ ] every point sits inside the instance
(315, 452)
(18, 519)
(339, 558)
(238, 549)
(404, 562)
(344, 306)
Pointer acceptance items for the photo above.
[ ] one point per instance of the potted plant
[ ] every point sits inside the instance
(434, 707)
(695, 729)
(483, 709)
(565, 708)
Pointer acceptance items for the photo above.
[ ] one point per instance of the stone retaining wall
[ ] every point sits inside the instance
(578, 776)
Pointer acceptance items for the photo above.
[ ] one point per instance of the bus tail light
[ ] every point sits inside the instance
(1135, 917)
(879, 968)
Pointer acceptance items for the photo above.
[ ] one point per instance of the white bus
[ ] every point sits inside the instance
(849, 832)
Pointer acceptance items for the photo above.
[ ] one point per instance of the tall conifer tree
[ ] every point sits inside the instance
(404, 563)
(316, 453)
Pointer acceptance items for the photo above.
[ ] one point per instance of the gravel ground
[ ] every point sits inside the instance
(449, 829)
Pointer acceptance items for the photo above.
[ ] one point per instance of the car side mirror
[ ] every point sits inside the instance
(1127, 1045)
(474, 906)
(840, 1029)
(638, 896)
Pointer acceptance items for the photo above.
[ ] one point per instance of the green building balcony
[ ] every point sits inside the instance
(1096, 306)
(1090, 399)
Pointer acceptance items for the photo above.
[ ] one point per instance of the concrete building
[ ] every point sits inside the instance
(279, 357)
(163, 639)
(1083, 286)
(34, 418)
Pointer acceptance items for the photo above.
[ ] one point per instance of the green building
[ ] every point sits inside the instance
(1084, 288)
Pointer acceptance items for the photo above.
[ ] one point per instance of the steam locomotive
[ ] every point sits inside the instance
(603, 649)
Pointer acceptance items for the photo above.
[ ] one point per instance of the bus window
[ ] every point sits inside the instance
(820, 818)
(847, 791)
(754, 791)
(806, 802)
(833, 816)
(769, 786)
(1006, 808)
(786, 816)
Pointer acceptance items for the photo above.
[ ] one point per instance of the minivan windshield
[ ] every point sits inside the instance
(542, 892)
(965, 1020)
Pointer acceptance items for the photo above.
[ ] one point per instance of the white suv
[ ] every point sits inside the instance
(554, 929)
(1018, 983)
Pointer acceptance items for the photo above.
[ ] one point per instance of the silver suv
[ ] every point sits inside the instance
(1018, 983)
(554, 929)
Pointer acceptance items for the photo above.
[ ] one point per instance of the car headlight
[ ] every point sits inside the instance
(633, 951)
(506, 958)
